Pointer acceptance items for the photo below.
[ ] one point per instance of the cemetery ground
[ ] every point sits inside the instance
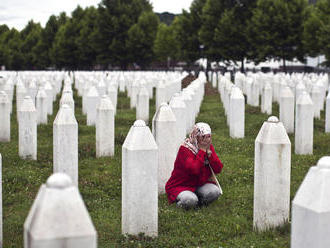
(225, 223)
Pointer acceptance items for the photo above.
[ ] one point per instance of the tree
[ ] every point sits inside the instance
(316, 32)
(47, 37)
(3, 54)
(30, 36)
(231, 33)
(166, 44)
(64, 52)
(115, 19)
(86, 52)
(12, 52)
(141, 37)
(186, 27)
(211, 14)
(277, 29)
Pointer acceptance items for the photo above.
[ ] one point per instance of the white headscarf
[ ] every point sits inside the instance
(200, 129)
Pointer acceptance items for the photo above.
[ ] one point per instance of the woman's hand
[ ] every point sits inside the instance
(204, 142)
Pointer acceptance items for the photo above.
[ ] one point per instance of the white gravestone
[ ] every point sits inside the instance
(160, 94)
(304, 125)
(8, 88)
(266, 99)
(316, 98)
(134, 94)
(4, 117)
(165, 133)
(179, 110)
(50, 97)
(27, 130)
(255, 89)
(139, 182)
(105, 128)
(236, 113)
(67, 99)
(21, 92)
(112, 93)
(58, 217)
(41, 106)
(311, 209)
(92, 100)
(327, 114)
(65, 143)
(287, 109)
(272, 168)
(142, 107)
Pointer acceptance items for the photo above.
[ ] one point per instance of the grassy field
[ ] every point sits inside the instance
(225, 223)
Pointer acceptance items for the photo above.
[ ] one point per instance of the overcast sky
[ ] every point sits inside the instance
(17, 13)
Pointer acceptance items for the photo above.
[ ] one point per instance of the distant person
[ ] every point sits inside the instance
(192, 183)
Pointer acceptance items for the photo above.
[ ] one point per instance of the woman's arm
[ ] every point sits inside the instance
(215, 161)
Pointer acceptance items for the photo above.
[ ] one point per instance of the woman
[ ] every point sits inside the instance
(190, 184)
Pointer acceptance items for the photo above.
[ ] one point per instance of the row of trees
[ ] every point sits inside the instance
(123, 32)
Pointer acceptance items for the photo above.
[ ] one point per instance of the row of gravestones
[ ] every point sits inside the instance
(65, 140)
(50, 222)
(296, 113)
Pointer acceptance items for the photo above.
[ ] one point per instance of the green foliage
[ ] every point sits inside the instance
(166, 17)
(166, 44)
(141, 37)
(316, 32)
(115, 19)
(277, 29)
(86, 53)
(30, 36)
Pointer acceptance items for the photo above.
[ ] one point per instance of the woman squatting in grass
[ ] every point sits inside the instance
(191, 183)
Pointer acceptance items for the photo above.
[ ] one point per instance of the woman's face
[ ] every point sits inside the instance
(204, 139)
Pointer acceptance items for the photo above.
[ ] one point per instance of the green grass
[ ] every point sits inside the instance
(225, 223)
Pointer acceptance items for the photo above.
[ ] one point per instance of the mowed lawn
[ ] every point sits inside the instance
(225, 223)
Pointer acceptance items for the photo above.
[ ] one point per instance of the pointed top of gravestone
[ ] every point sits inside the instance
(286, 92)
(3, 97)
(324, 163)
(48, 86)
(164, 114)
(273, 119)
(177, 102)
(236, 93)
(313, 193)
(105, 103)
(59, 213)
(139, 137)
(300, 85)
(268, 86)
(304, 99)
(111, 88)
(27, 105)
(272, 132)
(92, 92)
(59, 181)
(65, 116)
(41, 93)
(139, 123)
(143, 91)
(316, 89)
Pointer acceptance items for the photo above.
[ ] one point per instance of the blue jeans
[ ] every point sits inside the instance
(203, 195)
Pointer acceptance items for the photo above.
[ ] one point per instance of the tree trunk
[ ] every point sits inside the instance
(284, 66)
(242, 66)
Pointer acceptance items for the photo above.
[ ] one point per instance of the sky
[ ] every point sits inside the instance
(17, 13)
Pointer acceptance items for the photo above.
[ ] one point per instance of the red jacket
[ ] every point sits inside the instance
(190, 172)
